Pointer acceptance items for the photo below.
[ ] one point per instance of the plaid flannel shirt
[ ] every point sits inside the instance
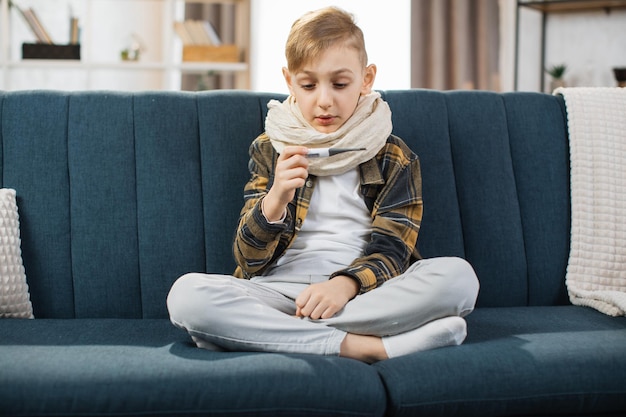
(391, 186)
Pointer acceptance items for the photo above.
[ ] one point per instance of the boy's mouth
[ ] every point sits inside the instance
(325, 120)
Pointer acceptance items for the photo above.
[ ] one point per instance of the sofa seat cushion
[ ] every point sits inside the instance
(563, 360)
(148, 367)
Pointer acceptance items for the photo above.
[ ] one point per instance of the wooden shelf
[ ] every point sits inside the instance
(190, 68)
(561, 6)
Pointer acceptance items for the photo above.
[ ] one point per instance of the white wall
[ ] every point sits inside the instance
(386, 26)
(590, 43)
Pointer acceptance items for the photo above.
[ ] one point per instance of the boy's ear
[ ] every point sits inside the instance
(288, 80)
(368, 79)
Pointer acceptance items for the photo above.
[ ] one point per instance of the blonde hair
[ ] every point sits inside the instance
(318, 30)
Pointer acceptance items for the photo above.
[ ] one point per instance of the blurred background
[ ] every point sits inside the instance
(498, 45)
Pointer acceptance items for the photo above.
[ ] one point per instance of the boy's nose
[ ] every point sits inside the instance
(324, 99)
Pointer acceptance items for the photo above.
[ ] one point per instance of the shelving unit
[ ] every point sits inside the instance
(546, 7)
(162, 70)
(556, 6)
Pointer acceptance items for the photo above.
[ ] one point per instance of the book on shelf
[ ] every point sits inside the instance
(197, 32)
(201, 43)
(210, 31)
(74, 31)
(34, 23)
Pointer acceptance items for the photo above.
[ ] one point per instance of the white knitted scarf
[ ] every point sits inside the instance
(368, 127)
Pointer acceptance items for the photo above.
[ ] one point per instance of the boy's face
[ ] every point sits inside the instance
(327, 89)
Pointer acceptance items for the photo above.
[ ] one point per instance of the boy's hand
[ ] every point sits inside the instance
(291, 174)
(325, 299)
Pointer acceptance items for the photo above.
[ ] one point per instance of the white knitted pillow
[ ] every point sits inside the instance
(14, 295)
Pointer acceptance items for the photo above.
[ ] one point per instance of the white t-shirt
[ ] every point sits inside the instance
(336, 230)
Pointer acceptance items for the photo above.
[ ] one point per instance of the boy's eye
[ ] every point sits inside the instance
(308, 86)
(340, 85)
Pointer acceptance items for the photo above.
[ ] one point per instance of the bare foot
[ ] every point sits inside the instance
(368, 349)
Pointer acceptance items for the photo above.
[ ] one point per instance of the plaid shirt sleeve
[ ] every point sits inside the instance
(396, 206)
(257, 242)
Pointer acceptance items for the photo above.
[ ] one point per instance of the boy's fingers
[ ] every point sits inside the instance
(293, 161)
(301, 301)
(294, 150)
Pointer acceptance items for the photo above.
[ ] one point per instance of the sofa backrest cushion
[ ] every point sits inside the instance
(495, 169)
(115, 190)
(121, 193)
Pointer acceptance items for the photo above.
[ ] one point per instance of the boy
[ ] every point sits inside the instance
(327, 246)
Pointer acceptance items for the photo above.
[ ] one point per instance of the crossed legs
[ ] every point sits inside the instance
(419, 310)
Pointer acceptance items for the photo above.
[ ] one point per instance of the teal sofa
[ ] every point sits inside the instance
(121, 193)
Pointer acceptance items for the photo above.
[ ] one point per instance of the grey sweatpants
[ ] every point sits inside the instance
(259, 314)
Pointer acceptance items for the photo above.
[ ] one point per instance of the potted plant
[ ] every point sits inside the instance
(557, 72)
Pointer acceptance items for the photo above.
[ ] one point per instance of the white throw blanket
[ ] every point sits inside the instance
(596, 272)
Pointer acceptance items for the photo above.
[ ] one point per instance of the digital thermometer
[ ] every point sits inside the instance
(326, 152)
